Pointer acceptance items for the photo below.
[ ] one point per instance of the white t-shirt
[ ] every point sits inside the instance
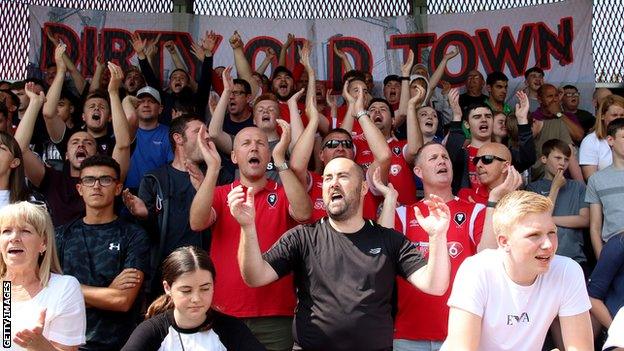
(4, 198)
(515, 317)
(65, 321)
(207, 340)
(595, 152)
(616, 332)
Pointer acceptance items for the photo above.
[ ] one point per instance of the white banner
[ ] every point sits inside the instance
(556, 37)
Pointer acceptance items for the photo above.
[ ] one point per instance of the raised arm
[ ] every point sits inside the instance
(129, 105)
(268, 58)
(54, 124)
(33, 166)
(439, 72)
(139, 45)
(284, 49)
(414, 135)
(96, 81)
(375, 139)
(222, 140)
(243, 69)
(178, 63)
(300, 205)
(388, 210)
(202, 214)
(399, 115)
(254, 269)
(208, 44)
(77, 78)
(121, 127)
(296, 124)
(348, 120)
(434, 277)
(343, 58)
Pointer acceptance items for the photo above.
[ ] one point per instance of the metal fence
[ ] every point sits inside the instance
(608, 42)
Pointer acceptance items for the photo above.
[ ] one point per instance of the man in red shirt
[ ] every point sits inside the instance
(421, 320)
(267, 311)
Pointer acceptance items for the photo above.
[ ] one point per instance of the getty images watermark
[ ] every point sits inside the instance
(6, 314)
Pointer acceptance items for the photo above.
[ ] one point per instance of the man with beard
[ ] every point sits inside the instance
(134, 80)
(151, 147)
(344, 266)
(474, 89)
(267, 311)
(165, 196)
(59, 187)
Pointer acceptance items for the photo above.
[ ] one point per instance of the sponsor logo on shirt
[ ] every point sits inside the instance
(375, 251)
(395, 169)
(366, 152)
(459, 218)
(414, 223)
(272, 199)
(318, 204)
(114, 246)
(454, 248)
(157, 142)
(514, 320)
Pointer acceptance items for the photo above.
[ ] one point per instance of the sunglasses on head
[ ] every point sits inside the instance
(487, 159)
(332, 144)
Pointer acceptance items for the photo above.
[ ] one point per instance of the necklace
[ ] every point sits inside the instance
(181, 343)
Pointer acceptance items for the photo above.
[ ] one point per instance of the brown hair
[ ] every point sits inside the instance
(18, 191)
(183, 260)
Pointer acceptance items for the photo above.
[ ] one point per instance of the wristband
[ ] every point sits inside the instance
(360, 114)
(491, 204)
(282, 167)
(404, 78)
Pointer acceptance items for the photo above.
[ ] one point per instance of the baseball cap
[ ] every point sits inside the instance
(149, 91)
(281, 69)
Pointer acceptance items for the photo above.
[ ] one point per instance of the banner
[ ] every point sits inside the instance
(555, 37)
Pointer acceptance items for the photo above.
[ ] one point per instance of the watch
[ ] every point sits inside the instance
(559, 114)
(282, 167)
(491, 204)
(360, 114)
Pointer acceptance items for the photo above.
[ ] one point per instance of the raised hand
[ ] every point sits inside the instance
(150, 47)
(270, 53)
(512, 182)
(170, 46)
(446, 87)
(522, 107)
(198, 51)
(418, 97)
(116, 77)
(135, 205)
(208, 150)
(407, 65)
(52, 38)
(209, 43)
(279, 151)
(331, 99)
(454, 51)
(58, 57)
(341, 54)
(228, 81)
(296, 96)
(235, 41)
(304, 53)
(196, 175)
(558, 181)
(242, 208)
(437, 223)
(34, 97)
(138, 44)
(359, 102)
(453, 97)
(345, 93)
(385, 190)
(289, 40)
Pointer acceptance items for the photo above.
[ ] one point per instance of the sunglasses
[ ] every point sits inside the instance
(332, 144)
(487, 159)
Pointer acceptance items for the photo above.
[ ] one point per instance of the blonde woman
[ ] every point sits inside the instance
(48, 311)
(595, 153)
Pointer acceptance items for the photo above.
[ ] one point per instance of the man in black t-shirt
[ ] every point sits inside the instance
(344, 266)
(107, 255)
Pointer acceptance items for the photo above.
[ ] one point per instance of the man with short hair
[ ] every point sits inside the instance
(267, 311)
(507, 298)
(392, 90)
(107, 255)
(474, 89)
(344, 266)
(533, 80)
(570, 100)
(604, 192)
(549, 98)
(497, 88)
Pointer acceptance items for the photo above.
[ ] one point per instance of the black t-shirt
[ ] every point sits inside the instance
(228, 169)
(59, 190)
(344, 283)
(95, 255)
(586, 119)
(162, 331)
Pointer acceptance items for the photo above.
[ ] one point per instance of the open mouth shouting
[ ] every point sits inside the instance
(15, 251)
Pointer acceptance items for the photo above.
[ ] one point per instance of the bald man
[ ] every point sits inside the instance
(344, 266)
(493, 162)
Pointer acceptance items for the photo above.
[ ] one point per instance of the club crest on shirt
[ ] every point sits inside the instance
(395, 169)
(396, 150)
(459, 218)
(272, 199)
(318, 204)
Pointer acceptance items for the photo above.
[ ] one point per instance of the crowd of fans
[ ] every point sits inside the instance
(141, 215)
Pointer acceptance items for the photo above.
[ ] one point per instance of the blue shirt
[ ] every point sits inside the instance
(151, 150)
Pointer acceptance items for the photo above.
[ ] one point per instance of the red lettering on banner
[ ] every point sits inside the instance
(558, 45)
(514, 53)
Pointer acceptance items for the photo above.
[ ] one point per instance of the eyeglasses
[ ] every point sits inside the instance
(103, 180)
(237, 93)
(572, 94)
(332, 144)
(487, 159)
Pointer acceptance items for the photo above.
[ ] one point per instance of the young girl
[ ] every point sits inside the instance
(12, 179)
(183, 319)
